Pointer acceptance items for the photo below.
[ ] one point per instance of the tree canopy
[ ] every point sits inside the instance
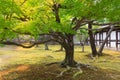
(38, 15)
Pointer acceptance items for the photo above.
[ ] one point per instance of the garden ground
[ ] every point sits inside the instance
(17, 63)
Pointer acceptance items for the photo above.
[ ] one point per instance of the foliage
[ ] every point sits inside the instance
(40, 17)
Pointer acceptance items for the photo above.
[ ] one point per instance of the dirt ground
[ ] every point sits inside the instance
(106, 68)
(52, 72)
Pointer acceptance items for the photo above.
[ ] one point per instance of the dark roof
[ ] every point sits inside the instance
(106, 29)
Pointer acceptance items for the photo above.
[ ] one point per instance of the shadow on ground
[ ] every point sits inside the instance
(42, 72)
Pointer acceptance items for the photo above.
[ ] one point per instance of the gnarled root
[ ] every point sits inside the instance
(65, 64)
(66, 70)
(78, 68)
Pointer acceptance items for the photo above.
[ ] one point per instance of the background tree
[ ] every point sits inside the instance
(81, 36)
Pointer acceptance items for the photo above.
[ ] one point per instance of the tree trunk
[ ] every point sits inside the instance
(82, 44)
(69, 57)
(92, 40)
(67, 43)
(82, 47)
(69, 52)
(103, 44)
(37, 46)
(46, 46)
(61, 48)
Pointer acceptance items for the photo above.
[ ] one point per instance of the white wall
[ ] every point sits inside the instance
(113, 37)
(104, 35)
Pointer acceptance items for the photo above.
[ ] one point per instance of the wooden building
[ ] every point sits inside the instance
(114, 39)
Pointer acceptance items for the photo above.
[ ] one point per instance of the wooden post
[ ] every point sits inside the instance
(117, 40)
(99, 38)
(96, 39)
(102, 38)
(110, 40)
(107, 40)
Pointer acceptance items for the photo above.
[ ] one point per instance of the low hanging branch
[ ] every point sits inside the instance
(56, 36)
(24, 46)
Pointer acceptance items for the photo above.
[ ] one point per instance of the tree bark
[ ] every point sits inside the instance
(57, 17)
(103, 44)
(61, 48)
(69, 52)
(92, 40)
(46, 46)
(82, 44)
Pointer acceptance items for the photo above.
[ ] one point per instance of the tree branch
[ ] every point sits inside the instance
(78, 24)
(24, 46)
(23, 2)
